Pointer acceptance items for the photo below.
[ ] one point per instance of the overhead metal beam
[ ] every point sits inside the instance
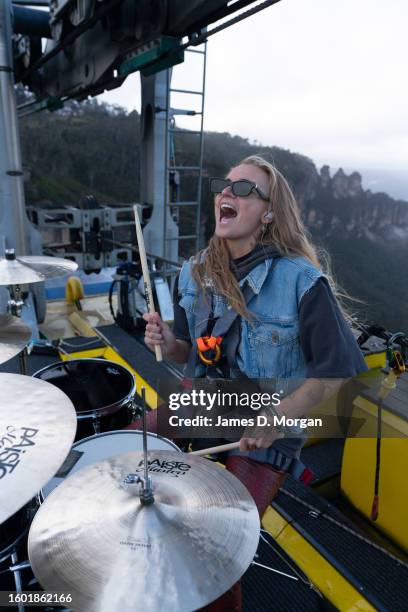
(31, 21)
(32, 3)
(106, 37)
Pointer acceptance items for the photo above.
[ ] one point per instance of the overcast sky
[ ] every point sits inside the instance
(320, 77)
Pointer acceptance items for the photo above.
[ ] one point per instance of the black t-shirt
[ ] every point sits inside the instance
(329, 347)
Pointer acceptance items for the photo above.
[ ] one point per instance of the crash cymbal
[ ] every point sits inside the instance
(14, 335)
(32, 268)
(37, 428)
(94, 538)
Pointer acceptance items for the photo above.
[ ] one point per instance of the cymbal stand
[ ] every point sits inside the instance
(17, 580)
(16, 302)
(145, 481)
(14, 307)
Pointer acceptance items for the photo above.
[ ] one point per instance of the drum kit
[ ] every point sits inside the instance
(120, 520)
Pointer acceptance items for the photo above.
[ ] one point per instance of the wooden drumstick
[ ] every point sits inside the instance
(146, 275)
(216, 449)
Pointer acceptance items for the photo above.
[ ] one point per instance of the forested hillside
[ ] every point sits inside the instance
(94, 149)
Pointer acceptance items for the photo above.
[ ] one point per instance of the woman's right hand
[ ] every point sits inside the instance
(159, 333)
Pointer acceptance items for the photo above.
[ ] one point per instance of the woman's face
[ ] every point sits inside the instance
(239, 219)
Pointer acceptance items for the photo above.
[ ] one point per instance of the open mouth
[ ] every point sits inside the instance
(227, 212)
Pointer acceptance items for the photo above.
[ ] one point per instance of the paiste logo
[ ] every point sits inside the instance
(173, 468)
(13, 444)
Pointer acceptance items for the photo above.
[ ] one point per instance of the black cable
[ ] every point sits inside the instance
(124, 300)
(374, 508)
(111, 288)
(198, 40)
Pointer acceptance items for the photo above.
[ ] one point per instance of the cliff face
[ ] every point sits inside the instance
(340, 204)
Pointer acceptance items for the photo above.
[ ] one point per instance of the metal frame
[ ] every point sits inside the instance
(170, 113)
(57, 221)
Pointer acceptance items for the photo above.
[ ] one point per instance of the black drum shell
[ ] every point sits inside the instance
(13, 530)
(102, 392)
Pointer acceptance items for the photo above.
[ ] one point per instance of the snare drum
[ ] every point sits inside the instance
(102, 392)
(104, 446)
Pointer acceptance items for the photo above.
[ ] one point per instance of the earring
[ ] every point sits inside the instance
(268, 216)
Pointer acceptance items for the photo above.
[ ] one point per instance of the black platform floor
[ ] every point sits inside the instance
(324, 459)
(381, 579)
(267, 591)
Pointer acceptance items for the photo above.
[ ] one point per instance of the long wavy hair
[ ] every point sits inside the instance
(286, 232)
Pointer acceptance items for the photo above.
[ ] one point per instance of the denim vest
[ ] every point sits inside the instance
(269, 347)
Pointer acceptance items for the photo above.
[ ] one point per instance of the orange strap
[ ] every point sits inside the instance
(209, 343)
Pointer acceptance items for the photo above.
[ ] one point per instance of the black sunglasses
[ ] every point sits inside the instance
(241, 188)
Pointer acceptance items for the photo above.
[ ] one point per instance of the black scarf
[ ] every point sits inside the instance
(241, 266)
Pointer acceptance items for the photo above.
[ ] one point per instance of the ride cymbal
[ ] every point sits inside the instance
(32, 268)
(37, 429)
(14, 336)
(93, 538)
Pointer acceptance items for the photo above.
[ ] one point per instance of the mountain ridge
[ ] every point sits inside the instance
(87, 148)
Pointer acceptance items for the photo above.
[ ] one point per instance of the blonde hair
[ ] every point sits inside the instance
(286, 232)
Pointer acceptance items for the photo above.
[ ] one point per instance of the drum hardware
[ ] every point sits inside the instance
(14, 336)
(17, 581)
(17, 300)
(135, 410)
(15, 307)
(96, 423)
(145, 481)
(35, 438)
(16, 272)
(275, 571)
(20, 566)
(13, 537)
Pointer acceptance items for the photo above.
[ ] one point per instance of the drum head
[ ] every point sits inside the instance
(93, 449)
(94, 386)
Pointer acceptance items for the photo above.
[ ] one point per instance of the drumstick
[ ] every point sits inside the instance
(146, 276)
(216, 449)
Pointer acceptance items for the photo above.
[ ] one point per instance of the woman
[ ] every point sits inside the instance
(288, 327)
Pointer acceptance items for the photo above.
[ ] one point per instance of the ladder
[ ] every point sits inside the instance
(185, 212)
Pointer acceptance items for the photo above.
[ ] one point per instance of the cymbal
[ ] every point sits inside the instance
(14, 335)
(37, 428)
(94, 538)
(33, 268)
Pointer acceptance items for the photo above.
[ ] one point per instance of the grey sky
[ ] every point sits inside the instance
(321, 77)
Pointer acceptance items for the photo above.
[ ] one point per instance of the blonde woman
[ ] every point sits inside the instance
(288, 326)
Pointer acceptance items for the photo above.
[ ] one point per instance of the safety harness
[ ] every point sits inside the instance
(219, 363)
(207, 348)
